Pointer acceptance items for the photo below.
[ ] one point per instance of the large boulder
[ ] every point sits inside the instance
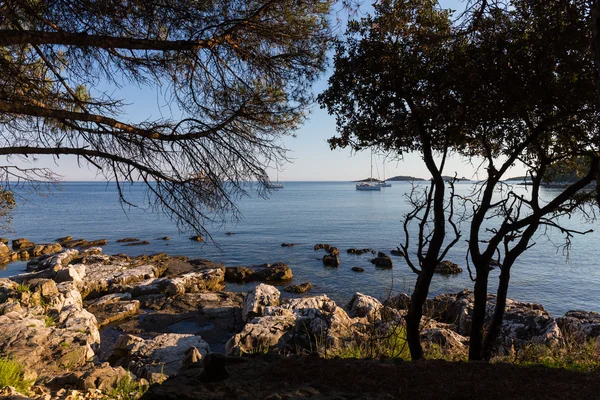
(364, 306)
(257, 299)
(238, 274)
(5, 254)
(107, 312)
(299, 289)
(110, 276)
(331, 260)
(194, 282)
(297, 324)
(382, 261)
(53, 262)
(262, 334)
(43, 249)
(276, 272)
(22, 244)
(158, 358)
(47, 329)
(523, 322)
(446, 341)
(447, 268)
(580, 325)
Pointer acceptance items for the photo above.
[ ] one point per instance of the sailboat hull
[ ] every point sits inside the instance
(369, 186)
(385, 184)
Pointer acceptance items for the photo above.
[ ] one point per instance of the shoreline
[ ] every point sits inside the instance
(88, 308)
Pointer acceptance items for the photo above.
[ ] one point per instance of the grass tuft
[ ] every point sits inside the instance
(570, 355)
(11, 374)
(23, 288)
(389, 343)
(128, 389)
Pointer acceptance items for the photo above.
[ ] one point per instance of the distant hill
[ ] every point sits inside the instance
(403, 178)
(449, 178)
(368, 180)
(518, 179)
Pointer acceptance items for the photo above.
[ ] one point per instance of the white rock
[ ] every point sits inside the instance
(257, 299)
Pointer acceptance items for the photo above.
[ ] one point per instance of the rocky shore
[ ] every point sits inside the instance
(81, 321)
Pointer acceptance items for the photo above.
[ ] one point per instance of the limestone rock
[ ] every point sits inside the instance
(48, 339)
(257, 299)
(102, 278)
(523, 322)
(364, 306)
(446, 339)
(580, 325)
(21, 244)
(331, 260)
(358, 252)
(397, 252)
(193, 282)
(55, 261)
(399, 302)
(72, 273)
(382, 261)
(128, 240)
(300, 288)
(238, 274)
(161, 355)
(109, 312)
(4, 254)
(261, 334)
(43, 249)
(447, 268)
(274, 273)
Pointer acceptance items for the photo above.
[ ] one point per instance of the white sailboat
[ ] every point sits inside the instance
(369, 185)
(383, 183)
(275, 185)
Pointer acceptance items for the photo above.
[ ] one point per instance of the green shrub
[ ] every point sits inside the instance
(49, 320)
(11, 374)
(389, 343)
(23, 288)
(571, 355)
(128, 389)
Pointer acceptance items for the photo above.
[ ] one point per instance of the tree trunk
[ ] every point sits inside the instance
(595, 14)
(415, 312)
(494, 327)
(478, 318)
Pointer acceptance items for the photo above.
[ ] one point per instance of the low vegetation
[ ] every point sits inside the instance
(128, 389)
(11, 374)
(389, 343)
(570, 355)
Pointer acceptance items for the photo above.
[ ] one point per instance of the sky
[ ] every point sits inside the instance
(310, 155)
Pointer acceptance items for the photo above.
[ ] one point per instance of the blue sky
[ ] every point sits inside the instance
(312, 160)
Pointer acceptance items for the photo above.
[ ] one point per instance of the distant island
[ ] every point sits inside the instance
(518, 179)
(403, 178)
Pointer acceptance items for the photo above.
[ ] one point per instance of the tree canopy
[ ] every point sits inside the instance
(506, 82)
(237, 75)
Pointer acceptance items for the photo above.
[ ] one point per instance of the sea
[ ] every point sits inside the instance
(305, 214)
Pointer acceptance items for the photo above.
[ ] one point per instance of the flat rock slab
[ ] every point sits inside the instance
(109, 278)
(110, 312)
(159, 356)
(215, 316)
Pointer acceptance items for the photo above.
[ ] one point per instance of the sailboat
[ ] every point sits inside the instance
(275, 185)
(383, 183)
(369, 185)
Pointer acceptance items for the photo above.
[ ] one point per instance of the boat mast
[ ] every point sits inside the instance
(371, 179)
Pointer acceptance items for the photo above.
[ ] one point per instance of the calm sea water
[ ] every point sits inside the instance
(307, 213)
